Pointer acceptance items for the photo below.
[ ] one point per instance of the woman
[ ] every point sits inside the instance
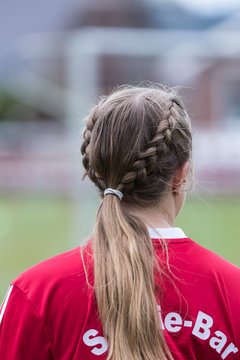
(140, 289)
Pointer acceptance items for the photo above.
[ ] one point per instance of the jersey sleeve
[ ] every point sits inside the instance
(22, 332)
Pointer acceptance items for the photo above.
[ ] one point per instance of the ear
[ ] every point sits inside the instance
(180, 178)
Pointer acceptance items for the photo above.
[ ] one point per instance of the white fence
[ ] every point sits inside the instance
(42, 160)
(52, 163)
(216, 158)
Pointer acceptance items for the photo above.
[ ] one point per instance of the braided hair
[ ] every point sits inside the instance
(134, 141)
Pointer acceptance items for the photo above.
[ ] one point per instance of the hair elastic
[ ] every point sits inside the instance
(110, 191)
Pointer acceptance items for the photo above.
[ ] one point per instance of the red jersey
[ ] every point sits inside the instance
(50, 311)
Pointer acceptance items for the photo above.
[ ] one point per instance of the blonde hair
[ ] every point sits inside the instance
(134, 141)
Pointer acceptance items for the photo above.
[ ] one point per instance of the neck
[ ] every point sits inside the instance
(162, 215)
(157, 219)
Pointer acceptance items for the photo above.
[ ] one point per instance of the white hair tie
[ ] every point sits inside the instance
(110, 191)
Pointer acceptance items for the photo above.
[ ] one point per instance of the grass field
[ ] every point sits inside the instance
(34, 228)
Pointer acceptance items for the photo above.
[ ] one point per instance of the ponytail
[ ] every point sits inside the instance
(134, 141)
(124, 285)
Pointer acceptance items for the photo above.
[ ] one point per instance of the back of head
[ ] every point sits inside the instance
(135, 140)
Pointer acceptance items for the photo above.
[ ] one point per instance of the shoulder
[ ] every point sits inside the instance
(63, 264)
(187, 255)
(212, 260)
(213, 266)
(191, 259)
(56, 276)
(43, 304)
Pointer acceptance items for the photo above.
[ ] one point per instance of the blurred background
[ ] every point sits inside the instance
(56, 57)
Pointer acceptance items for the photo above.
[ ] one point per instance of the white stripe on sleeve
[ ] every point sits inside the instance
(5, 301)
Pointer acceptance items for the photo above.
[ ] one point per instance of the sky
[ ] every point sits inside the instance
(211, 6)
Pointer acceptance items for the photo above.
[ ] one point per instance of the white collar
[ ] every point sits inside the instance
(166, 233)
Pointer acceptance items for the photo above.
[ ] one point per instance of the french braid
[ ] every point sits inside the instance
(160, 145)
(94, 176)
(91, 120)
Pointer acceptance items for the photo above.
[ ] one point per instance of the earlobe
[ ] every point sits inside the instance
(178, 187)
(180, 179)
